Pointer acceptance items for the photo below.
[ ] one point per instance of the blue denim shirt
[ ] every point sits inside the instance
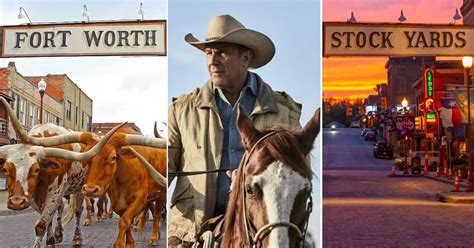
(232, 150)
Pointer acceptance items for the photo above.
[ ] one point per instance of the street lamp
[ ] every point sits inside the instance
(21, 16)
(405, 105)
(352, 19)
(42, 90)
(85, 13)
(141, 13)
(467, 63)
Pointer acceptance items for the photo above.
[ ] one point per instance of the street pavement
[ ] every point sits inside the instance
(17, 230)
(362, 207)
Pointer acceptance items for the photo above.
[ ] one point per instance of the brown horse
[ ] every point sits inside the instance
(268, 203)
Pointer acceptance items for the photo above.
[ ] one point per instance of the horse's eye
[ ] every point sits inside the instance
(248, 190)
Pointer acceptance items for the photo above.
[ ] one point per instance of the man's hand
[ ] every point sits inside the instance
(231, 174)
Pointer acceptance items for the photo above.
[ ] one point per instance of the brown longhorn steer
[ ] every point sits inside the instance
(127, 181)
(40, 176)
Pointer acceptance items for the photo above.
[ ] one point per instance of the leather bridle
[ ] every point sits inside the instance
(257, 237)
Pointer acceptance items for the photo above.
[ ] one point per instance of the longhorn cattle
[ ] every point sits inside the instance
(103, 210)
(129, 184)
(157, 205)
(40, 176)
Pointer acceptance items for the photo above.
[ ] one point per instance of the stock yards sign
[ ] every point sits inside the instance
(129, 38)
(371, 39)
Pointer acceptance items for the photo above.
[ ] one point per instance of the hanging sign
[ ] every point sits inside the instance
(389, 39)
(129, 38)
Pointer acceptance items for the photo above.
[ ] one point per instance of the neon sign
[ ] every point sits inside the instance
(429, 83)
(431, 117)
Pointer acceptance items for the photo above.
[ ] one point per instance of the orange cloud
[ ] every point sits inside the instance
(346, 76)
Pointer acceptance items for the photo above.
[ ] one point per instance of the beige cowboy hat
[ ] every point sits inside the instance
(225, 28)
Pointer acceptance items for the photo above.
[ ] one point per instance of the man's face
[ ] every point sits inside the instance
(227, 64)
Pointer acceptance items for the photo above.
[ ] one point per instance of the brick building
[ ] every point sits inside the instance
(105, 127)
(77, 106)
(64, 103)
(402, 72)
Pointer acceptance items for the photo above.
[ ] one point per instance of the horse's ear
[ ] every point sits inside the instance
(247, 130)
(311, 131)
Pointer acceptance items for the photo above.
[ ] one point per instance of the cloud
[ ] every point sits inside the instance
(130, 89)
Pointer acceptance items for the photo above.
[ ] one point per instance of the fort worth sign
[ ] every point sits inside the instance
(121, 38)
(384, 39)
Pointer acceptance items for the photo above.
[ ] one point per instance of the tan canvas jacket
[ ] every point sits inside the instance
(195, 135)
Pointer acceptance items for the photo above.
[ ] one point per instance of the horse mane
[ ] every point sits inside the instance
(285, 146)
(234, 222)
(282, 146)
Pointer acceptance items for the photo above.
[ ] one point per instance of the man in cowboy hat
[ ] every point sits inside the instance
(202, 129)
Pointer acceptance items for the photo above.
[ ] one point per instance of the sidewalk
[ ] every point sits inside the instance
(449, 196)
(453, 197)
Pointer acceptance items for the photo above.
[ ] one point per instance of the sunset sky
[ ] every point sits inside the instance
(356, 77)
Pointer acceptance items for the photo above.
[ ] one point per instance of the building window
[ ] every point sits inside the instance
(23, 111)
(32, 114)
(38, 115)
(77, 115)
(82, 120)
(56, 120)
(68, 110)
(46, 117)
(14, 103)
(89, 123)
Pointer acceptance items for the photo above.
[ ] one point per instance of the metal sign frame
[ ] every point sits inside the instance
(161, 23)
(468, 49)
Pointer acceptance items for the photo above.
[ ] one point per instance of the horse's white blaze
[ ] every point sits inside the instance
(280, 185)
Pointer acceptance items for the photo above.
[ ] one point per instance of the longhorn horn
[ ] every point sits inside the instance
(15, 122)
(155, 131)
(140, 140)
(75, 137)
(160, 179)
(80, 156)
(43, 141)
(3, 152)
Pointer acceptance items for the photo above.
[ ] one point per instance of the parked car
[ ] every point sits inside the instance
(383, 149)
(355, 124)
(334, 125)
(370, 136)
(364, 131)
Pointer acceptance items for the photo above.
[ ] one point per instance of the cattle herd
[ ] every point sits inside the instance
(52, 164)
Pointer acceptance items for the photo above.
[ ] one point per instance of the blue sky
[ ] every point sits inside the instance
(132, 89)
(293, 26)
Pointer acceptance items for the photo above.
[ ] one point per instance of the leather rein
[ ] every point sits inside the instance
(265, 230)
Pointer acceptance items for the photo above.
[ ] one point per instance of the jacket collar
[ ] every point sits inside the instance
(265, 102)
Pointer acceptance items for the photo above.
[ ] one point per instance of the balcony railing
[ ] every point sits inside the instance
(3, 127)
